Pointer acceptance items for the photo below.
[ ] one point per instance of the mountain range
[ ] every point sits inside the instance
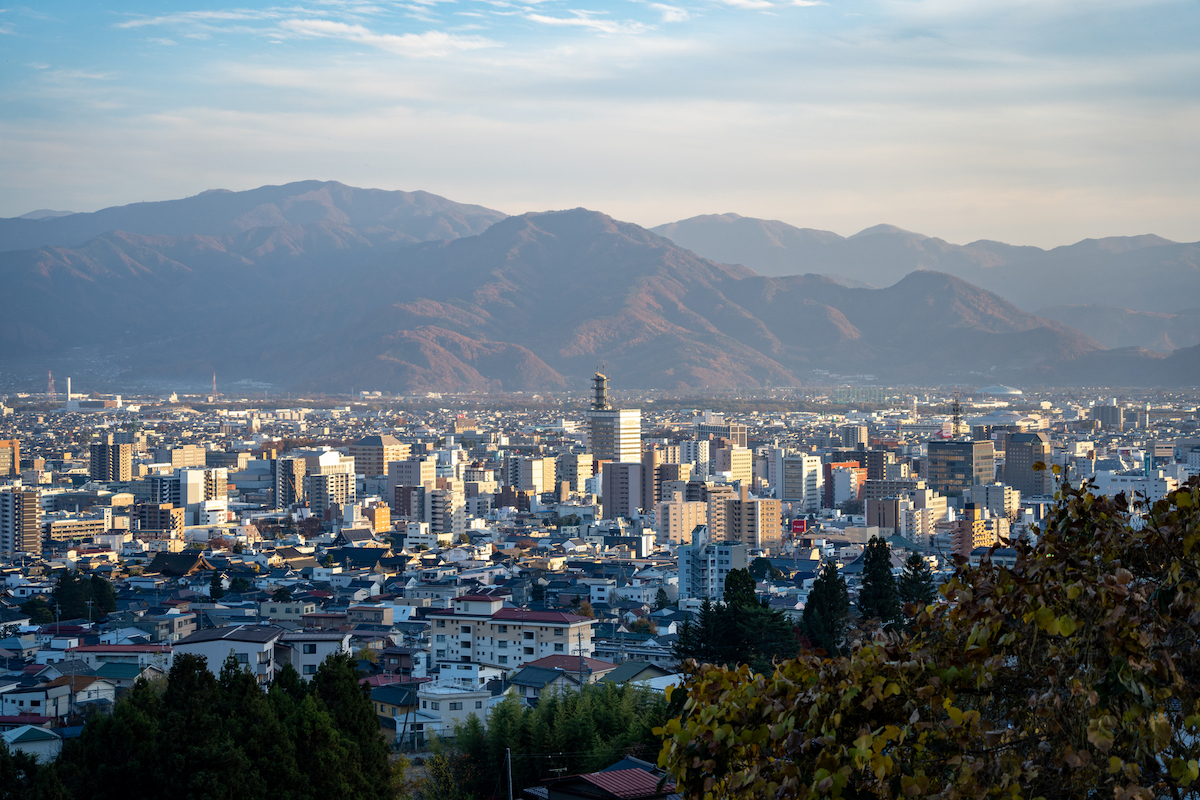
(321, 286)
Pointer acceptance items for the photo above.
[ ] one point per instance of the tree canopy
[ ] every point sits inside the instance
(1073, 673)
(878, 598)
(827, 610)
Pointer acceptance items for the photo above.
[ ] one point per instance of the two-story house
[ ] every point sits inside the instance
(252, 646)
(305, 650)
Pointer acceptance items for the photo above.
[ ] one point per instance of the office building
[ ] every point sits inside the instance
(613, 434)
(798, 479)
(10, 458)
(372, 454)
(704, 565)
(712, 425)
(328, 493)
(1000, 500)
(735, 460)
(20, 520)
(410, 472)
(110, 461)
(1025, 450)
(187, 455)
(1110, 417)
(955, 466)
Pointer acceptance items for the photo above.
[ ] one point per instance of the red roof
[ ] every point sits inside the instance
(480, 598)
(121, 648)
(628, 783)
(25, 719)
(571, 663)
(525, 615)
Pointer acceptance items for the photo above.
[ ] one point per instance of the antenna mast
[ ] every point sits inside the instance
(956, 413)
(50, 394)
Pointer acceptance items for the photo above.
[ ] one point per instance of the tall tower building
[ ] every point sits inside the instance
(111, 461)
(289, 481)
(10, 458)
(614, 434)
(1025, 450)
(20, 520)
(956, 466)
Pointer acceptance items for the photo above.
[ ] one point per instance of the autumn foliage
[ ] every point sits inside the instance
(1075, 673)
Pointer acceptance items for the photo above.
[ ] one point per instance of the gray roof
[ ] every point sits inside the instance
(261, 634)
(386, 440)
(537, 677)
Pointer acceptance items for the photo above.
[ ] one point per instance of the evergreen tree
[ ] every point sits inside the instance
(39, 611)
(761, 569)
(661, 600)
(348, 701)
(916, 581)
(827, 610)
(878, 597)
(282, 595)
(739, 589)
(71, 593)
(215, 588)
(117, 757)
(104, 594)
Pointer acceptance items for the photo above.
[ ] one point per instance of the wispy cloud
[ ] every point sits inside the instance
(431, 43)
(206, 17)
(587, 19)
(671, 13)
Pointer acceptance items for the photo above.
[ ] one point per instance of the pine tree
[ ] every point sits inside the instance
(916, 581)
(878, 597)
(104, 594)
(739, 589)
(827, 611)
(661, 600)
(215, 589)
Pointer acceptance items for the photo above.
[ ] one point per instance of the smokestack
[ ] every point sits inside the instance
(68, 390)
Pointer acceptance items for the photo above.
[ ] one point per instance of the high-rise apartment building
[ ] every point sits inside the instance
(328, 493)
(704, 565)
(735, 460)
(955, 466)
(621, 489)
(410, 472)
(372, 454)
(614, 434)
(10, 458)
(187, 455)
(696, 453)
(855, 437)
(159, 517)
(1110, 417)
(675, 519)
(755, 522)
(111, 461)
(1025, 450)
(534, 474)
(20, 520)
(574, 469)
(289, 481)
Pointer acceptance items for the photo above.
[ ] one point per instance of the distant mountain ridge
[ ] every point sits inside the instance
(320, 286)
(1143, 273)
(414, 216)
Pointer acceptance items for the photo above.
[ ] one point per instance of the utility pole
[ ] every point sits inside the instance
(89, 605)
(508, 757)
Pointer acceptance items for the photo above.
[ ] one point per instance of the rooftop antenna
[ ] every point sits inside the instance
(956, 414)
(50, 394)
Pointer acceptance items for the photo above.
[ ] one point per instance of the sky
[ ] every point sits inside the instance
(1028, 121)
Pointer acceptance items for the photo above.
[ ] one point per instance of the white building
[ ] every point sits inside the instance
(800, 479)
(307, 649)
(252, 646)
(703, 566)
(1155, 486)
(479, 629)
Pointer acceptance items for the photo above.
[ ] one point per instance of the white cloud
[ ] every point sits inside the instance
(585, 19)
(186, 17)
(431, 43)
(750, 5)
(671, 13)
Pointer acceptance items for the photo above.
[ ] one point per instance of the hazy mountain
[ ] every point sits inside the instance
(1138, 272)
(1117, 327)
(533, 302)
(413, 216)
(45, 213)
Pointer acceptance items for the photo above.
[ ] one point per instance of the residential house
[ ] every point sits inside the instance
(252, 646)
(307, 649)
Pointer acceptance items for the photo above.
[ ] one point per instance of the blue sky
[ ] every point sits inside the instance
(1030, 121)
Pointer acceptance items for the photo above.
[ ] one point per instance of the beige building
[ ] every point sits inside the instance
(372, 454)
(676, 519)
(574, 469)
(737, 461)
(480, 630)
(111, 462)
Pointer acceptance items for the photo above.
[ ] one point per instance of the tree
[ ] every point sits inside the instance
(661, 600)
(827, 610)
(916, 581)
(103, 593)
(586, 610)
(878, 598)
(761, 569)
(239, 585)
(39, 611)
(328, 562)
(643, 625)
(282, 595)
(216, 589)
(739, 589)
(1073, 673)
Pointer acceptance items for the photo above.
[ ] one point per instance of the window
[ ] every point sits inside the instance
(310, 669)
(502, 628)
(456, 706)
(441, 654)
(242, 658)
(528, 651)
(558, 648)
(558, 632)
(479, 704)
(503, 659)
(441, 623)
(424, 704)
(503, 644)
(434, 706)
(464, 628)
(528, 634)
(310, 649)
(274, 610)
(441, 637)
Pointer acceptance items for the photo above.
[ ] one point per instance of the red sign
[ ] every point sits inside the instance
(799, 525)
